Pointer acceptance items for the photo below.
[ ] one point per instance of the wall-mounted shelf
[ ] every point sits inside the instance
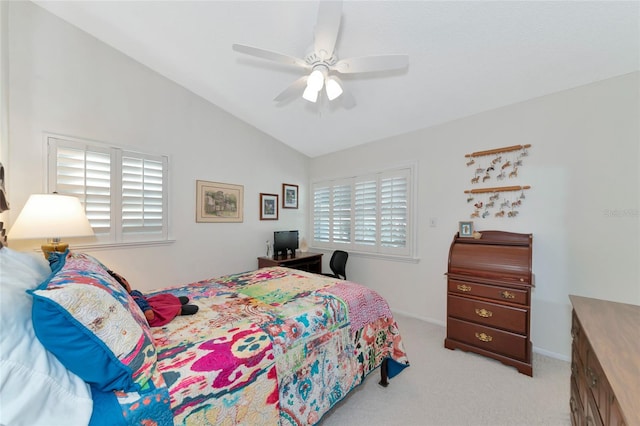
(497, 189)
(498, 150)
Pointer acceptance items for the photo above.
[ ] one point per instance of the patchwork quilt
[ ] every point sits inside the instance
(271, 346)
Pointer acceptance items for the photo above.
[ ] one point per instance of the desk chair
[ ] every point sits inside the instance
(338, 264)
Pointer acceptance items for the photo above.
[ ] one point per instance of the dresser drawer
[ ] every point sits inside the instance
(578, 374)
(575, 405)
(592, 415)
(505, 294)
(597, 382)
(491, 314)
(488, 338)
(578, 338)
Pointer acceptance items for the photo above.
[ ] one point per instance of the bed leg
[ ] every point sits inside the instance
(384, 382)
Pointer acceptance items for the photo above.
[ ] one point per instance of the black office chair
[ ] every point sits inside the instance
(338, 265)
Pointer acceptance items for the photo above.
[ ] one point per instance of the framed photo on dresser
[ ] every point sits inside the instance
(465, 229)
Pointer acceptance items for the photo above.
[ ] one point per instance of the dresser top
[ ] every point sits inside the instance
(613, 330)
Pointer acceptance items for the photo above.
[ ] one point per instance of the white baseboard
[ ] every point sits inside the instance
(429, 320)
(551, 354)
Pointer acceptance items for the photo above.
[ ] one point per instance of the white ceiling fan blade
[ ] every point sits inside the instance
(270, 55)
(327, 27)
(294, 90)
(371, 64)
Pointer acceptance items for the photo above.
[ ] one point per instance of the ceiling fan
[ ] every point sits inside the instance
(322, 64)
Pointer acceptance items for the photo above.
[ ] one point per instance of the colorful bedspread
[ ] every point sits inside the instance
(272, 346)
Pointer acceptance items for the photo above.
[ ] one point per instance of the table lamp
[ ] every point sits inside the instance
(51, 216)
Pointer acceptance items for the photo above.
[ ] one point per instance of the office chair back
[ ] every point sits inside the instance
(338, 264)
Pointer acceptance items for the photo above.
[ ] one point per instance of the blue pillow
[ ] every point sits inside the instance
(89, 322)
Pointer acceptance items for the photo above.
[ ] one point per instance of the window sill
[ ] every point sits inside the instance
(122, 245)
(380, 256)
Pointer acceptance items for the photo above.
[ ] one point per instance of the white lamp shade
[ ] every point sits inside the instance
(315, 80)
(310, 94)
(333, 88)
(51, 216)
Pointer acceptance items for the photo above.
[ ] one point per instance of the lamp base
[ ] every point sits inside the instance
(53, 247)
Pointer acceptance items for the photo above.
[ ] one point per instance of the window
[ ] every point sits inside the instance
(370, 213)
(124, 193)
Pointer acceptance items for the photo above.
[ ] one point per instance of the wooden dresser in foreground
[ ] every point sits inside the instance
(489, 284)
(605, 363)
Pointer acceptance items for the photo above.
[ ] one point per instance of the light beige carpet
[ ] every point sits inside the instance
(456, 388)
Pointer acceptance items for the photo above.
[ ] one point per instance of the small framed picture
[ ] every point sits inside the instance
(268, 206)
(289, 196)
(465, 229)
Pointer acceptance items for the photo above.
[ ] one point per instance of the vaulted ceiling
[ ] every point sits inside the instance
(464, 57)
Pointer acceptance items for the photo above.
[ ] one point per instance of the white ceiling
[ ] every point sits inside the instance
(464, 57)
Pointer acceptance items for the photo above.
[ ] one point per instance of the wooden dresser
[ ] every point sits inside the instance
(489, 283)
(605, 363)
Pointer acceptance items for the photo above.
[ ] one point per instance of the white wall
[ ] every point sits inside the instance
(583, 162)
(582, 208)
(66, 82)
(4, 94)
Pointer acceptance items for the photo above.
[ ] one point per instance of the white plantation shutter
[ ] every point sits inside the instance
(85, 172)
(341, 209)
(321, 213)
(124, 193)
(393, 210)
(370, 213)
(365, 212)
(143, 208)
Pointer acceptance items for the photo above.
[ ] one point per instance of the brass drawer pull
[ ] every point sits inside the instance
(507, 295)
(463, 287)
(484, 337)
(484, 313)
(593, 378)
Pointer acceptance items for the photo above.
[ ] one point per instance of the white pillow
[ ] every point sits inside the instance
(35, 388)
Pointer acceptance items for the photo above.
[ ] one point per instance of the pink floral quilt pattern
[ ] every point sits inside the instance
(272, 346)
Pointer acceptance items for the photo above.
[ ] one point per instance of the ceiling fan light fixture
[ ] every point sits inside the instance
(315, 80)
(323, 63)
(310, 94)
(333, 88)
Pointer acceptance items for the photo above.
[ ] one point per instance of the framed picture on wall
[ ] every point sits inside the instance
(219, 202)
(268, 206)
(289, 196)
(465, 229)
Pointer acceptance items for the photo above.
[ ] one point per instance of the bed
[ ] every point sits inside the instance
(270, 346)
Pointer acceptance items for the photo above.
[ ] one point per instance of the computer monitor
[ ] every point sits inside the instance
(283, 241)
